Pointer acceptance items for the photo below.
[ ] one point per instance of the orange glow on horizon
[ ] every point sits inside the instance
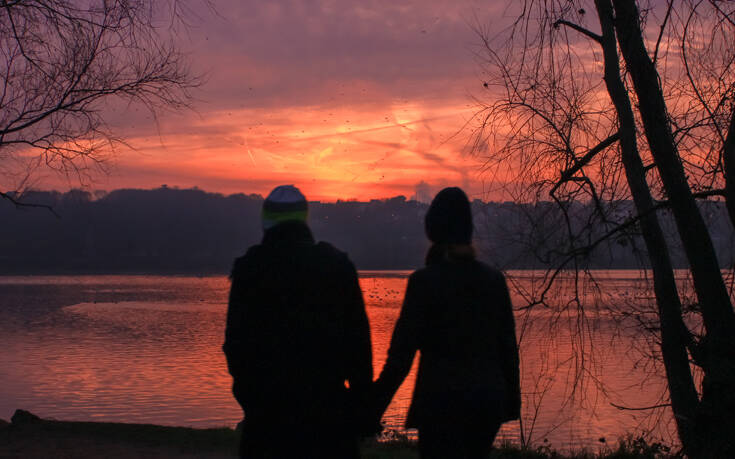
(330, 153)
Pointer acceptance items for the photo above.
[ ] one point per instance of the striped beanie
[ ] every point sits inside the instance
(284, 203)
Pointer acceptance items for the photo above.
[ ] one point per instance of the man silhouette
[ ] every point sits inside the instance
(296, 336)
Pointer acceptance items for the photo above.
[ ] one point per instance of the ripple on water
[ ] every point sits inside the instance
(192, 306)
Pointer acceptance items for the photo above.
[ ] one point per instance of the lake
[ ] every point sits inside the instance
(147, 349)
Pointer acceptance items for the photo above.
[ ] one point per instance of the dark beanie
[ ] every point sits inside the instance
(449, 219)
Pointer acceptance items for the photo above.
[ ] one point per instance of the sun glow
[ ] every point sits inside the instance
(331, 153)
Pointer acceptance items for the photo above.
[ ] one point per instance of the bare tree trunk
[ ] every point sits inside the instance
(714, 422)
(713, 296)
(674, 333)
(728, 158)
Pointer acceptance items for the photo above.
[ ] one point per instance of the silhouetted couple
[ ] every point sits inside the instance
(298, 342)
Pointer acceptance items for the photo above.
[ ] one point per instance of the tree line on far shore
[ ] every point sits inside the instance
(169, 230)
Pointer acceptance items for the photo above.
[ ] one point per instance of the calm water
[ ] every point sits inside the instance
(146, 349)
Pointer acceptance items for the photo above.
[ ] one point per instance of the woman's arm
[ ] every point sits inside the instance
(403, 347)
(509, 351)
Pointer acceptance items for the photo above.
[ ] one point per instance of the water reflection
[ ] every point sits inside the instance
(146, 349)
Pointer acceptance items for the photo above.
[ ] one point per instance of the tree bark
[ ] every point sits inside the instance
(728, 159)
(715, 418)
(674, 333)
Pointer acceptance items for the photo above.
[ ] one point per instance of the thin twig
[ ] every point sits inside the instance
(19, 204)
(641, 408)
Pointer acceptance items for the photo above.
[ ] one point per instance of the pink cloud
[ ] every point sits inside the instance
(350, 99)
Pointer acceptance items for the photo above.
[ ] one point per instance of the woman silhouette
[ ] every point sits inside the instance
(457, 312)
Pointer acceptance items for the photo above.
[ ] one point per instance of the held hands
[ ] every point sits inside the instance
(366, 414)
(371, 427)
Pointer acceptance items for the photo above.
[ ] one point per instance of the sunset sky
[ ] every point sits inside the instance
(345, 99)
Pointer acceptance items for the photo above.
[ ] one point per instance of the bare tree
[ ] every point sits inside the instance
(704, 127)
(63, 62)
(566, 122)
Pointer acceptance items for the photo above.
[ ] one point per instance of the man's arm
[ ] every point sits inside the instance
(235, 330)
(360, 354)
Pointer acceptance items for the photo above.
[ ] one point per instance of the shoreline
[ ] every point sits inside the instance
(28, 436)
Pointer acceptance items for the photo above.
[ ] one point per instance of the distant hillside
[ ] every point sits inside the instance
(169, 230)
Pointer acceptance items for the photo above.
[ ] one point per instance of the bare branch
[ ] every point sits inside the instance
(583, 161)
(580, 29)
(662, 29)
(642, 408)
(19, 204)
(61, 60)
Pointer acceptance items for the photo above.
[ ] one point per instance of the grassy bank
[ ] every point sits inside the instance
(30, 437)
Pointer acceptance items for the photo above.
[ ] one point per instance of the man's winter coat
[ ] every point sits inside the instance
(296, 335)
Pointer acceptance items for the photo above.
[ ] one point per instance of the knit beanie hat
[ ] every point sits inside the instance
(284, 203)
(449, 219)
